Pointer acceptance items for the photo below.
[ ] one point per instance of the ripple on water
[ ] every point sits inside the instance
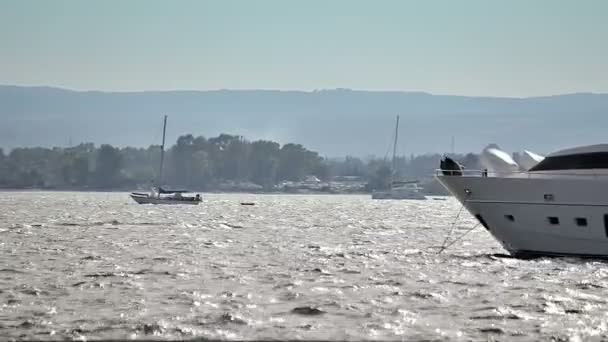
(308, 267)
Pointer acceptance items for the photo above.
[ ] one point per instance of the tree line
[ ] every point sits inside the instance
(196, 163)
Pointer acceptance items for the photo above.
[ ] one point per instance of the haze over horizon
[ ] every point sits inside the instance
(135, 91)
(332, 122)
(473, 48)
(483, 71)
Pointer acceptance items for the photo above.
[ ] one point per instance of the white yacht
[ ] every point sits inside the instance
(558, 207)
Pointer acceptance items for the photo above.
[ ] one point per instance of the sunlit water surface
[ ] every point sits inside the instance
(97, 265)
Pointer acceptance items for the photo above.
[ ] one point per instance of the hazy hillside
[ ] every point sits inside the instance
(333, 122)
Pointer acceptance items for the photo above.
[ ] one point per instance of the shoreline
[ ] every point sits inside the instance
(202, 191)
(304, 193)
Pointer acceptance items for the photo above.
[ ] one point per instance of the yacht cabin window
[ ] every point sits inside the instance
(580, 161)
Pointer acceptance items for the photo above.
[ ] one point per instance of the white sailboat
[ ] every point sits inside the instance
(399, 189)
(160, 195)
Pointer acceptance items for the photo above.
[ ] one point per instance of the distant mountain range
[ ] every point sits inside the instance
(333, 122)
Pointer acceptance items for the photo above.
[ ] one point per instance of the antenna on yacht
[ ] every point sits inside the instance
(453, 145)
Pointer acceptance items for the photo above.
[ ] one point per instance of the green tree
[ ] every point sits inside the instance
(295, 162)
(4, 169)
(80, 170)
(181, 160)
(202, 171)
(264, 162)
(108, 167)
(225, 151)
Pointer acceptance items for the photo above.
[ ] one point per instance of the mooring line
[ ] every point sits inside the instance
(458, 238)
(454, 223)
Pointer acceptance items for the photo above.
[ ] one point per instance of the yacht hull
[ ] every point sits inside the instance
(545, 216)
(145, 199)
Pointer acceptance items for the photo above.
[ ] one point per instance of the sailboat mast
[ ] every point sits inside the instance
(162, 156)
(395, 145)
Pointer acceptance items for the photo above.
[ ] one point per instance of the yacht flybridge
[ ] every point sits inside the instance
(557, 207)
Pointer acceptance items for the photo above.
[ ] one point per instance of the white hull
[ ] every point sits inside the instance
(145, 199)
(518, 211)
(398, 195)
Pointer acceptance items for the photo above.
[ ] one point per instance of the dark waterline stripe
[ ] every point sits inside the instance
(539, 203)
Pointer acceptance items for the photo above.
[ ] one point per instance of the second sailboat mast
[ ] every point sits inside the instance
(395, 145)
(162, 156)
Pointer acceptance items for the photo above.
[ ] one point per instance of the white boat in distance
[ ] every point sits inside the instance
(399, 190)
(165, 197)
(162, 196)
(559, 207)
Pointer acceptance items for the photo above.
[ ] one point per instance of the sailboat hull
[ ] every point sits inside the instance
(145, 199)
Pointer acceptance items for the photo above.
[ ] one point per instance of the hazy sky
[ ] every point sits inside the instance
(476, 47)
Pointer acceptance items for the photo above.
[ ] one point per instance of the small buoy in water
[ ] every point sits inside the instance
(247, 203)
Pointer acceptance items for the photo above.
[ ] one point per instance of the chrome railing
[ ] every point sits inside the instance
(521, 174)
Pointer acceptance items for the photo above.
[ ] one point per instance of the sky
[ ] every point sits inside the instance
(515, 48)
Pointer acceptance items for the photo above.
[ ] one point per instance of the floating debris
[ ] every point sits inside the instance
(307, 310)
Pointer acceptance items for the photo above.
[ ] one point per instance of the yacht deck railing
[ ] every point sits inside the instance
(519, 174)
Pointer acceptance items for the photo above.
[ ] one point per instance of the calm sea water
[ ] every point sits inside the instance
(97, 265)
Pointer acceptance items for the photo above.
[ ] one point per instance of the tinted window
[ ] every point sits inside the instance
(510, 218)
(553, 220)
(606, 224)
(581, 221)
(595, 160)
